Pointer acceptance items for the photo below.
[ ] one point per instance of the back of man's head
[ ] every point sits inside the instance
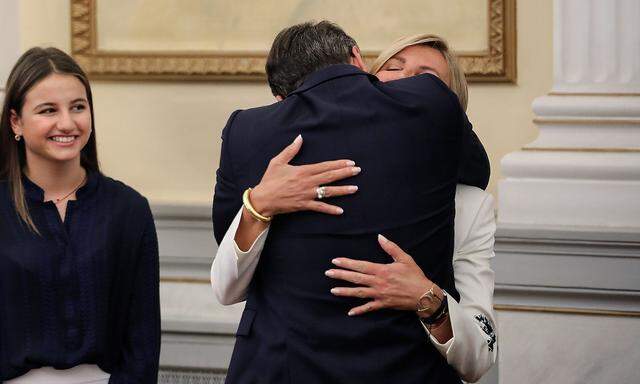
(304, 48)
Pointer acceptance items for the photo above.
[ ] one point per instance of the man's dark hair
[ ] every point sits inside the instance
(302, 49)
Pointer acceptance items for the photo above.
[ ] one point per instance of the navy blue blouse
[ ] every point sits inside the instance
(85, 291)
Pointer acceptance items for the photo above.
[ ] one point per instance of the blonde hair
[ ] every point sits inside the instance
(456, 74)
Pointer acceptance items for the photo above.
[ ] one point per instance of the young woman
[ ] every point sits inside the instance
(79, 300)
(465, 335)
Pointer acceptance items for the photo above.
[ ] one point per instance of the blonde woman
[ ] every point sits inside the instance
(79, 294)
(465, 333)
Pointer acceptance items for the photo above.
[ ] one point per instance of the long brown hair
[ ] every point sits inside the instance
(32, 67)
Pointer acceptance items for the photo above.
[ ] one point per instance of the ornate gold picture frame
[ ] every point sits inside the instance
(495, 64)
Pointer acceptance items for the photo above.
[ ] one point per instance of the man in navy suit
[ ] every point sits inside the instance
(411, 139)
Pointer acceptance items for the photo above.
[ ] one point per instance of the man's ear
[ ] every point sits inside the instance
(356, 59)
(279, 98)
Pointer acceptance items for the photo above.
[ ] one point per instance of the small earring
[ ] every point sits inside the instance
(17, 137)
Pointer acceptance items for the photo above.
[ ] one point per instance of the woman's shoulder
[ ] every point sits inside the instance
(122, 192)
(474, 213)
(469, 195)
(470, 202)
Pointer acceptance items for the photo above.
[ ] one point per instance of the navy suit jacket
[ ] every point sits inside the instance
(414, 144)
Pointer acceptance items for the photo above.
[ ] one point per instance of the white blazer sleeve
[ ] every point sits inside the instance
(473, 348)
(233, 269)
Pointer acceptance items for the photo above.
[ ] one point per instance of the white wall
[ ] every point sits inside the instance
(9, 39)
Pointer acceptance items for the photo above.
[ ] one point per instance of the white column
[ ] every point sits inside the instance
(583, 170)
(568, 243)
(9, 39)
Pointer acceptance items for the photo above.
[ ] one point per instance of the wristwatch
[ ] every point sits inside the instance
(438, 315)
(429, 301)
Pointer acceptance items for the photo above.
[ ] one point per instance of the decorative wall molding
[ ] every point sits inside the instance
(536, 266)
(190, 376)
(565, 311)
(497, 64)
(187, 245)
(593, 150)
(568, 270)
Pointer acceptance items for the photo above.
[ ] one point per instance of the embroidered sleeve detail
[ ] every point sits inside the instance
(487, 328)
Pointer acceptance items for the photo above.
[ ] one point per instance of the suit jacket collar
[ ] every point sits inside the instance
(329, 73)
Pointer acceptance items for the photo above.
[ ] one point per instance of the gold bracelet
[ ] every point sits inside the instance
(247, 204)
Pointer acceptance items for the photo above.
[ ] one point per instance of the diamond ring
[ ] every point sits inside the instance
(320, 192)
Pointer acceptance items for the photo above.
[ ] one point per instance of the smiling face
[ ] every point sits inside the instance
(415, 60)
(55, 120)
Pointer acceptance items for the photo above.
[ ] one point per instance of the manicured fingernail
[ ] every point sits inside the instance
(353, 188)
(329, 273)
(351, 163)
(336, 261)
(339, 211)
(356, 170)
(298, 139)
(382, 239)
(335, 291)
(351, 313)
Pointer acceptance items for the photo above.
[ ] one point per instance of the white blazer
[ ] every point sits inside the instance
(473, 348)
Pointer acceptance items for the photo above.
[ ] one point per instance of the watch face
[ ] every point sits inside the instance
(427, 301)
